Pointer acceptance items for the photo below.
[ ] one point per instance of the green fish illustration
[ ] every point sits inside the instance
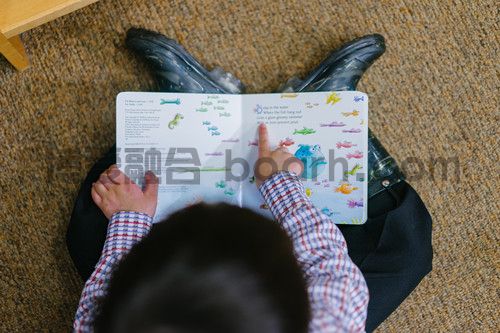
(220, 184)
(202, 110)
(354, 170)
(304, 131)
(229, 191)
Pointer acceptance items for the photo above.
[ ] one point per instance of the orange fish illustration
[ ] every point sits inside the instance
(354, 113)
(346, 188)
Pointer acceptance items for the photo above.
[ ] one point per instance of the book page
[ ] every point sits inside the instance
(328, 132)
(183, 139)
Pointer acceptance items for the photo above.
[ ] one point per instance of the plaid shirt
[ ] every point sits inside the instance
(336, 287)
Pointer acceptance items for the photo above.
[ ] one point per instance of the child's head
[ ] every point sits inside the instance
(208, 269)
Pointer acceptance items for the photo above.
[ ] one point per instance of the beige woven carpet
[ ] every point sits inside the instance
(433, 94)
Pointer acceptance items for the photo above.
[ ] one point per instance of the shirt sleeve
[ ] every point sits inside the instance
(337, 290)
(125, 229)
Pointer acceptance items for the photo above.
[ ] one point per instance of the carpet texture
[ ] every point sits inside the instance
(433, 94)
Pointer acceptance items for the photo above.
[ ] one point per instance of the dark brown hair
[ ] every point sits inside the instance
(208, 268)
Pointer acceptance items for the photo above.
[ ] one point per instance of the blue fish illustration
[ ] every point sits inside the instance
(215, 133)
(229, 191)
(213, 128)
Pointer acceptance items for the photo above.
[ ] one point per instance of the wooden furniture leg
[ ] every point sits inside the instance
(13, 50)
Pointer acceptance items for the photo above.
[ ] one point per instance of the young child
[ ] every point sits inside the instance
(222, 268)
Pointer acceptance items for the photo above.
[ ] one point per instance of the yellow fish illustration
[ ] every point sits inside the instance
(332, 98)
(354, 113)
(309, 192)
(289, 95)
(346, 188)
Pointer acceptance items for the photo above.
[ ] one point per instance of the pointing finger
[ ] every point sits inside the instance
(263, 140)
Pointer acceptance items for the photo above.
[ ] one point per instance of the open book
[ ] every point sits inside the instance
(203, 147)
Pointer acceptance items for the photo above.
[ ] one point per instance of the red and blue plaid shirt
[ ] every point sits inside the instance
(337, 290)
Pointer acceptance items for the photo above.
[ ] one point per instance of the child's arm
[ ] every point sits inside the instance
(130, 212)
(337, 290)
(125, 229)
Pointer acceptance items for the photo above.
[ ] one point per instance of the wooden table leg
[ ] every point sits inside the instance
(13, 50)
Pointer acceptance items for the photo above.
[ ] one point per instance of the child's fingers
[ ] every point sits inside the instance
(151, 188)
(263, 140)
(95, 196)
(116, 175)
(105, 180)
(100, 189)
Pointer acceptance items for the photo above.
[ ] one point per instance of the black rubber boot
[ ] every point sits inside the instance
(342, 70)
(175, 69)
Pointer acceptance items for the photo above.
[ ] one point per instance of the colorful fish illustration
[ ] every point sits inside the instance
(213, 128)
(229, 191)
(220, 184)
(345, 144)
(352, 203)
(352, 130)
(304, 131)
(359, 98)
(356, 221)
(253, 143)
(313, 159)
(289, 95)
(201, 110)
(214, 133)
(217, 153)
(231, 140)
(224, 114)
(332, 98)
(356, 154)
(309, 192)
(353, 113)
(170, 101)
(354, 170)
(287, 142)
(332, 124)
(327, 211)
(346, 188)
(174, 122)
(205, 123)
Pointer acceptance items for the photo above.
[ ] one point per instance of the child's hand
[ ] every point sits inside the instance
(270, 162)
(115, 192)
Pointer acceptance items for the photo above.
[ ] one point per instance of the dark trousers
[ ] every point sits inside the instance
(393, 248)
